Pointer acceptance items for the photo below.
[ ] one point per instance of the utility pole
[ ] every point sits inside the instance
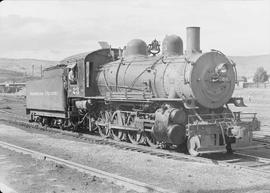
(33, 69)
(41, 73)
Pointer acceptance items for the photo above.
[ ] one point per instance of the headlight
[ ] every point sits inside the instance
(221, 69)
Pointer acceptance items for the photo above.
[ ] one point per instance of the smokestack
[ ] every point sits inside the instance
(193, 40)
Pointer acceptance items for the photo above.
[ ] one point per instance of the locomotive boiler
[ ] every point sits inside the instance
(207, 78)
(168, 99)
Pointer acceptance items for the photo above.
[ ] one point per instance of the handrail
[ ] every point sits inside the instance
(216, 118)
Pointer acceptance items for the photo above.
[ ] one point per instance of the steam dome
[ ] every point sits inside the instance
(136, 47)
(172, 45)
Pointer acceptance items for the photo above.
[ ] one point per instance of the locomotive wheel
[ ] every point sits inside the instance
(75, 127)
(150, 140)
(66, 125)
(117, 120)
(134, 137)
(103, 129)
(44, 122)
(61, 126)
(193, 144)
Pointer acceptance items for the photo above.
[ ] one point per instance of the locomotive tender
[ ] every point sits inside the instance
(136, 94)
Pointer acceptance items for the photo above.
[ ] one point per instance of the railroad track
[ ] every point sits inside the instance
(262, 138)
(119, 180)
(254, 164)
(249, 163)
(169, 154)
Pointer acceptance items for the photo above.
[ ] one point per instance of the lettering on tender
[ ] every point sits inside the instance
(36, 93)
(50, 93)
(47, 93)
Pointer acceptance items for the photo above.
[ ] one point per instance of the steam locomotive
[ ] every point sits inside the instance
(136, 94)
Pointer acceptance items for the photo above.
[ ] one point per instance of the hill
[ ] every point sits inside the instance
(247, 65)
(20, 69)
(9, 74)
(14, 76)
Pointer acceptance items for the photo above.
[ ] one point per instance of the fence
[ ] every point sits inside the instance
(256, 85)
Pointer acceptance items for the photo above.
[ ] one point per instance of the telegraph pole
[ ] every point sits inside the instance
(41, 74)
(33, 69)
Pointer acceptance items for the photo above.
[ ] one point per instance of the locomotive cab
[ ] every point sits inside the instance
(75, 86)
(83, 72)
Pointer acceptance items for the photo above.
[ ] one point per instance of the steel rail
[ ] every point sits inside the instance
(119, 180)
(156, 152)
(259, 159)
(169, 154)
(258, 166)
(122, 145)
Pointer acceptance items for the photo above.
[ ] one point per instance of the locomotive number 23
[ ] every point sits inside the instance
(75, 90)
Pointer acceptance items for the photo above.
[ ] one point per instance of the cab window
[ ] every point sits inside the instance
(73, 74)
(88, 72)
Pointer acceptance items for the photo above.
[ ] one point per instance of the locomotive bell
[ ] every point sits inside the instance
(172, 45)
(136, 47)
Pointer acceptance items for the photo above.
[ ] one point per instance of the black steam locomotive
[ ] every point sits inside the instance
(137, 94)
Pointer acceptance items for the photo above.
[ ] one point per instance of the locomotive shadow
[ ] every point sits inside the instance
(233, 158)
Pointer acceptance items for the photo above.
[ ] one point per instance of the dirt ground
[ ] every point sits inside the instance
(257, 101)
(27, 175)
(13, 103)
(170, 174)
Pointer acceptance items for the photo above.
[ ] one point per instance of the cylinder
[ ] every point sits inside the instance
(176, 134)
(169, 125)
(193, 40)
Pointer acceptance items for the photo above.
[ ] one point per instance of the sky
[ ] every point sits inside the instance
(55, 29)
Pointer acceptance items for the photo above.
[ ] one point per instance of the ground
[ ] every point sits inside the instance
(257, 101)
(27, 175)
(181, 176)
